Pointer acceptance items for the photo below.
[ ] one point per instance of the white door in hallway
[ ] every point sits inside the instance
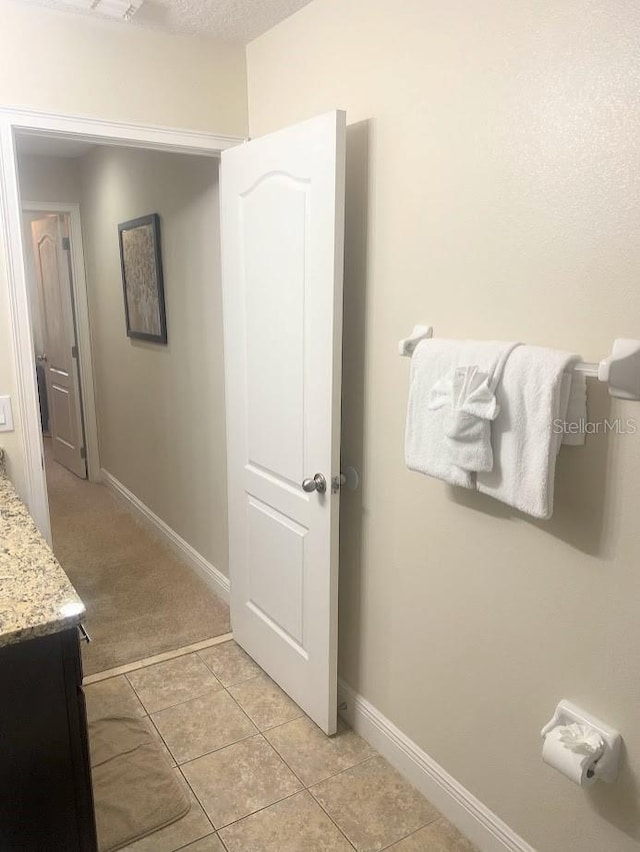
(59, 358)
(282, 221)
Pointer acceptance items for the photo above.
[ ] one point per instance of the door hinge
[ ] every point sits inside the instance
(66, 244)
(83, 452)
(74, 351)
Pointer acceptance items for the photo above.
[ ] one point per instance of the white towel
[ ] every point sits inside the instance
(469, 404)
(468, 396)
(533, 396)
(451, 403)
(576, 416)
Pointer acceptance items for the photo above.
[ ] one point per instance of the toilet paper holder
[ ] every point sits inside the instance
(567, 713)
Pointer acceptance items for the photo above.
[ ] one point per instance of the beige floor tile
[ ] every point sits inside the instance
(202, 724)
(154, 733)
(373, 805)
(229, 663)
(312, 755)
(264, 702)
(192, 826)
(172, 682)
(207, 844)
(439, 836)
(112, 697)
(296, 824)
(236, 781)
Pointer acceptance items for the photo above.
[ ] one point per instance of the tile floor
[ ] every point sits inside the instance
(261, 776)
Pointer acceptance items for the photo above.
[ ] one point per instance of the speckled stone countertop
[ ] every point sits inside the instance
(36, 597)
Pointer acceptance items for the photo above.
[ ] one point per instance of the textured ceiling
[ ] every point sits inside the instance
(237, 21)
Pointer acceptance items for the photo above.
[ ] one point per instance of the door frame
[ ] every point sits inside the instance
(80, 307)
(62, 126)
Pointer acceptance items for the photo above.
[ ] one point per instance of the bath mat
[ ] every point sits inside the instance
(135, 790)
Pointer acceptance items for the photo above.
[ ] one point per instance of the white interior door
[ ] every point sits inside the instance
(59, 358)
(282, 220)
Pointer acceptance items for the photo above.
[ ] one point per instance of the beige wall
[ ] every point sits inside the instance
(161, 412)
(63, 62)
(59, 62)
(49, 179)
(493, 190)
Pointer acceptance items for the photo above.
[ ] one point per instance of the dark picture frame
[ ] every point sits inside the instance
(142, 278)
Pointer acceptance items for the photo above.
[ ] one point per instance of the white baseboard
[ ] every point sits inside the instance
(457, 804)
(209, 573)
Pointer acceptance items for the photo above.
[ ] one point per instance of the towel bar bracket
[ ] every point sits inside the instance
(620, 370)
(420, 332)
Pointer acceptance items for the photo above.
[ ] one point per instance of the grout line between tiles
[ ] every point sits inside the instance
(322, 807)
(158, 658)
(242, 708)
(191, 759)
(255, 677)
(289, 796)
(306, 789)
(331, 819)
(214, 750)
(233, 822)
(196, 797)
(411, 833)
(204, 837)
(205, 690)
(321, 780)
(176, 765)
(259, 810)
(237, 682)
(342, 771)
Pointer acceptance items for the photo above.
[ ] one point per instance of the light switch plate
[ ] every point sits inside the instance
(6, 414)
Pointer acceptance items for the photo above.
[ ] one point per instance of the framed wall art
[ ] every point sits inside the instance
(142, 280)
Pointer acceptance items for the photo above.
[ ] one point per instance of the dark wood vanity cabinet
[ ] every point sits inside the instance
(46, 801)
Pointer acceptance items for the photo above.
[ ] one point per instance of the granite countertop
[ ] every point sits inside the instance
(36, 597)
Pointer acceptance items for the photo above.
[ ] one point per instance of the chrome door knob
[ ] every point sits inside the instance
(318, 483)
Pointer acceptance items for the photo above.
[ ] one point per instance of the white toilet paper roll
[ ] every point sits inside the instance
(576, 765)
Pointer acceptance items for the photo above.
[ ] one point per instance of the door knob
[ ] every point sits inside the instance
(41, 358)
(318, 483)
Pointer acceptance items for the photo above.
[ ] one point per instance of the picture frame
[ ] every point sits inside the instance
(142, 278)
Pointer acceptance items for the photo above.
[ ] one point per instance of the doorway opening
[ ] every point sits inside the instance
(282, 214)
(133, 431)
(52, 273)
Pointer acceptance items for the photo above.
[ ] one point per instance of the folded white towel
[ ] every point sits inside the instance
(469, 405)
(451, 403)
(533, 396)
(467, 395)
(575, 418)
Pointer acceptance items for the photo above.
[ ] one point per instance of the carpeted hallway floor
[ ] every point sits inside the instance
(141, 599)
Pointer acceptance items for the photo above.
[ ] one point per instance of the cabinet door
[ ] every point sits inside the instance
(44, 771)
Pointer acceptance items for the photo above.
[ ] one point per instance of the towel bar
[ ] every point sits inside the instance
(621, 369)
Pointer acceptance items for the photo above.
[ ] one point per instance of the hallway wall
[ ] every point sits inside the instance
(161, 411)
(493, 190)
(44, 178)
